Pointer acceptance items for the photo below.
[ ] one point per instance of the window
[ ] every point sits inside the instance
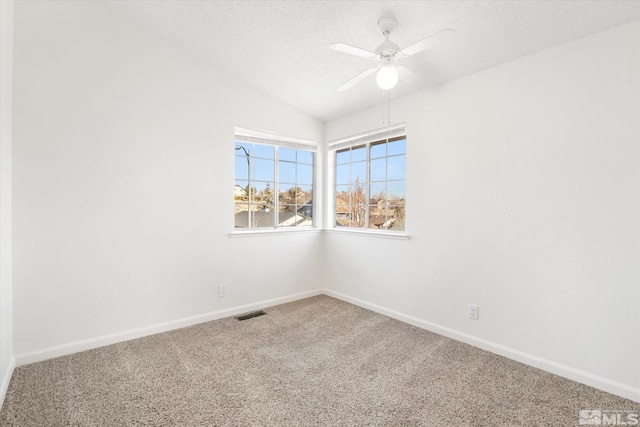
(274, 181)
(370, 180)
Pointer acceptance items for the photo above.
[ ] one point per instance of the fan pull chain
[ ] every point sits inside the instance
(388, 109)
(386, 113)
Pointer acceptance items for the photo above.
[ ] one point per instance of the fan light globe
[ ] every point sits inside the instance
(387, 77)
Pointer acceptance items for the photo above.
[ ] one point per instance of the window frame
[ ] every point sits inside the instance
(367, 139)
(248, 136)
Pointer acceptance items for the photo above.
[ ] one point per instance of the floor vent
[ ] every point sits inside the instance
(251, 315)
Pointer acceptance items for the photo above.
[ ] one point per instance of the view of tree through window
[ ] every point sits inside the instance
(370, 185)
(263, 171)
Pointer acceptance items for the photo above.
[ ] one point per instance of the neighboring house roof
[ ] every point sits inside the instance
(380, 221)
(239, 191)
(258, 219)
(375, 221)
(266, 219)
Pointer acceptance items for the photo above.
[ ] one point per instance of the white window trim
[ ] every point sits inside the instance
(254, 136)
(398, 129)
(384, 234)
(395, 130)
(263, 137)
(273, 231)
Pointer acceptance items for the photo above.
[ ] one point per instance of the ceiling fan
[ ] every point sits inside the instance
(386, 53)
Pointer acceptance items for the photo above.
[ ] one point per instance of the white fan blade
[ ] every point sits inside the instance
(432, 40)
(341, 47)
(409, 77)
(357, 79)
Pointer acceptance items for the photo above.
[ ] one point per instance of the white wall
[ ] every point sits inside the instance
(123, 177)
(6, 69)
(524, 190)
(524, 198)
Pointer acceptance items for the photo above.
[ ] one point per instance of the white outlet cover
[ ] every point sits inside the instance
(222, 290)
(473, 312)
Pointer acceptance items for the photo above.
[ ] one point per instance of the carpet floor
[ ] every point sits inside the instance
(313, 362)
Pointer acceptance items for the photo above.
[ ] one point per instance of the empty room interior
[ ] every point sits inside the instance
(296, 213)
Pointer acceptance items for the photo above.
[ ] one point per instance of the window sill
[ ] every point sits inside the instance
(379, 234)
(294, 230)
(273, 232)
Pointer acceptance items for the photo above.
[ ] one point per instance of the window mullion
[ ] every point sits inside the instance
(296, 187)
(276, 187)
(367, 208)
(386, 190)
(249, 198)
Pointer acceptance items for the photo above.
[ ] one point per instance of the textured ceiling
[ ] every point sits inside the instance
(282, 46)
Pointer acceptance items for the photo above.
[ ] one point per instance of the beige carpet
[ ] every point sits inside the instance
(317, 361)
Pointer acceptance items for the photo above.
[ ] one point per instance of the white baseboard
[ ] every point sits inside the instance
(577, 375)
(88, 344)
(6, 378)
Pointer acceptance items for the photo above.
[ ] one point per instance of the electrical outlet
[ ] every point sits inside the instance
(222, 290)
(473, 312)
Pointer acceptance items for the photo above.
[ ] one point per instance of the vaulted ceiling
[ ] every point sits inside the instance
(282, 46)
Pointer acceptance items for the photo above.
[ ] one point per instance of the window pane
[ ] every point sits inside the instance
(240, 190)
(378, 217)
(343, 156)
(305, 156)
(397, 147)
(378, 150)
(262, 218)
(396, 214)
(377, 192)
(396, 167)
(359, 172)
(287, 154)
(342, 215)
(288, 195)
(249, 191)
(306, 210)
(263, 194)
(287, 172)
(240, 167)
(357, 216)
(287, 216)
(305, 194)
(249, 147)
(240, 219)
(240, 204)
(263, 170)
(342, 197)
(358, 195)
(359, 153)
(343, 174)
(397, 190)
(342, 190)
(378, 170)
(305, 174)
(264, 151)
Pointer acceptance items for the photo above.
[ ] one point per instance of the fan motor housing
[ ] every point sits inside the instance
(387, 48)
